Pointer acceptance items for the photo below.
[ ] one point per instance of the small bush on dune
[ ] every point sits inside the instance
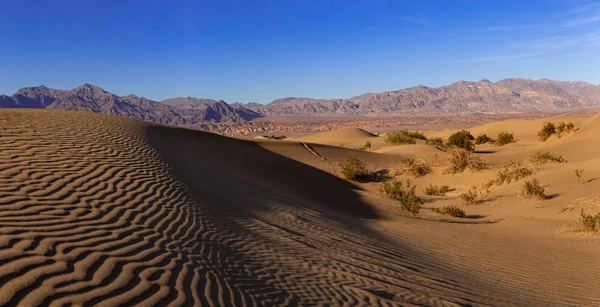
(437, 141)
(415, 134)
(541, 157)
(590, 222)
(366, 146)
(461, 159)
(505, 138)
(472, 197)
(482, 139)
(451, 210)
(512, 172)
(563, 127)
(414, 167)
(355, 170)
(533, 190)
(405, 194)
(399, 138)
(462, 139)
(547, 131)
(436, 190)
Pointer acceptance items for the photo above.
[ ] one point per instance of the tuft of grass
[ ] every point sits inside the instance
(366, 146)
(462, 159)
(414, 167)
(355, 170)
(436, 190)
(472, 197)
(437, 141)
(505, 138)
(405, 194)
(542, 157)
(579, 174)
(451, 210)
(547, 131)
(590, 222)
(533, 190)
(563, 127)
(399, 138)
(482, 139)
(512, 172)
(462, 139)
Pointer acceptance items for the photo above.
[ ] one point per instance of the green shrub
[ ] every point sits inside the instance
(563, 127)
(451, 210)
(512, 172)
(482, 139)
(590, 222)
(533, 189)
(547, 131)
(505, 138)
(461, 159)
(462, 139)
(399, 137)
(354, 169)
(437, 141)
(415, 134)
(414, 167)
(541, 157)
(405, 194)
(366, 146)
(436, 190)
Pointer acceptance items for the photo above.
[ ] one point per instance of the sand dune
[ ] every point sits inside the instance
(101, 210)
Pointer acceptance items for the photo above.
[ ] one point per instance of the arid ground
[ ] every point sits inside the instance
(103, 210)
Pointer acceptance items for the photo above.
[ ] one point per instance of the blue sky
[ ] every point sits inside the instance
(267, 49)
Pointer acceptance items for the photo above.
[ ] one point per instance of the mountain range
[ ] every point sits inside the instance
(505, 96)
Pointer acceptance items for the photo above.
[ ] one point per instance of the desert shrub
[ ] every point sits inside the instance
(504, 138)
(547, 131)
(405, 194)
(354, 169)
(472, 197)
(436, 190)
(462, 139)
(461, 159)
(399, 137)
(533, 189)
(512, 172)
(366, 146)
(541, 157)
(482, 139)
(437, 141)
(563, 127)
(415, 134)
(414, 167)
(451, 210)
(590, 222)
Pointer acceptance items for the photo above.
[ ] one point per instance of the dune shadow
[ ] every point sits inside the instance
(551, 196)
(484, 152)
(593, 179)
(469, 221)
(376, 176)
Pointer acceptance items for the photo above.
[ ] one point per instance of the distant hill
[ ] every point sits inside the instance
(91, 98)
(505, 96)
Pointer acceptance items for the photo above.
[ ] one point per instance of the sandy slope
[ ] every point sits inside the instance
(101, 210)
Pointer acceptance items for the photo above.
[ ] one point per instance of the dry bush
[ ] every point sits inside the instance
(451, 210)
(415, 134)
(590, 222)
(437, 141)
(547, 131)
(436, 190)
(399, 137)
(462, 139)
(366, 146)
(472, 197)
(461, 159)
(354, 169)
(405, 194)
(579, 174)
(413, 167)
(512, 172)
(533, 190)
(563, 127)
(541, 157)
(482, 139)
(504, 138)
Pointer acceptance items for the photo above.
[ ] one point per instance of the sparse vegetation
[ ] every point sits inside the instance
(541, 157)
(579, 174)
(405, 194)
(590, 222)
(472, 197)
(436, 190)
(437, 141)
(366, 146)
(482, 139)
(563, 127)
(512, 172)
(505, 138)
(415, 134)
(533, 190)
(462, 139)
(451, 210)
(355, 170)
(399, 138)
(461, 159)
(414, 167)
(547, 131)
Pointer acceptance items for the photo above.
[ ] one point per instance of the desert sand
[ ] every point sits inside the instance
(103, 210)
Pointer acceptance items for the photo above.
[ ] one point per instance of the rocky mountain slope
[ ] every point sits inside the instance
(94, 99)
